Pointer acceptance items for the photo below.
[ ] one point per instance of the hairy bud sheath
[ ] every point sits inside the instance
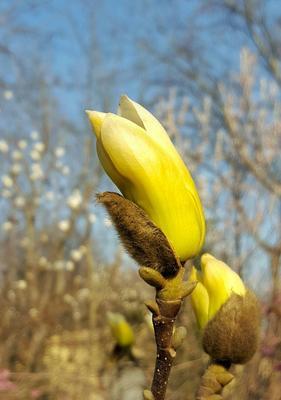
(141, 238)
(232, 334)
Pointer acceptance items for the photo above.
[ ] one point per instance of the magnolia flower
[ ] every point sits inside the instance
(42, 262)
(39, 146)
(83, 249)
(76, 255)
(64, 225)
(50, 196)
(21, 284)
(8, 95)
(16, 169)
(34, 135)
(22, 144)
(75, 200)
(59, 265)
(20, 202)
(7, 226)
(60, 152)
(36, 172)
(65, 170)
(138, 155)
(227, 312)
(17, 155)
(120, 329)
(7, 181)
(92, 218)
(84, 294)
(216, 283)
(69, 265)
(69, 299)
(35, 155)
(25, 242)
(44, 237)
(4, 147)
(33, 312)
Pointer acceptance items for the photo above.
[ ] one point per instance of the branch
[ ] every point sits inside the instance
(163, 324)
(257, 171)
(169, 296)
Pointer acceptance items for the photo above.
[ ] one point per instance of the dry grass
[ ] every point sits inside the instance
(56, 343)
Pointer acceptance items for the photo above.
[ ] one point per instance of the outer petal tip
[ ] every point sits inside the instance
(205, 258)
(124, 98)
(130, 110)
(124, 104)
(96, 119)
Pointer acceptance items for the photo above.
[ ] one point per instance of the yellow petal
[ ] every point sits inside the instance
(134, 112)
(199, 299)
(129, 109)
(220, 281)
(157, 181)
(109, 168)
(96, 119)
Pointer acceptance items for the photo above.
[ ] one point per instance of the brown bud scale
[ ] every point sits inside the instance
(232, 334)
(143, 240)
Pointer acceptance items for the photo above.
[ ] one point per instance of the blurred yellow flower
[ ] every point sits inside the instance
(138, 155)
(120, 329)
(216, 282)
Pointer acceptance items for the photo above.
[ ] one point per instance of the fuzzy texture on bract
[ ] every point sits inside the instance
(143, 240)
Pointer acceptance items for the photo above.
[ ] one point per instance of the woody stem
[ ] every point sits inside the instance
(163, 324)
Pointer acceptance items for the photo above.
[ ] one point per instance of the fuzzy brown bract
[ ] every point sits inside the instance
(232, 335)
(143, 240)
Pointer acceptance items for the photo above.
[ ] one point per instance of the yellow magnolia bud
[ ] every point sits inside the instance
(121, 329)
(216, 283)
(138, 155)
(227, 310)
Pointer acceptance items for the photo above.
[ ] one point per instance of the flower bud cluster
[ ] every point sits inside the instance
(161, 223)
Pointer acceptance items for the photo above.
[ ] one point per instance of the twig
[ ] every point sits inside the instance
(163, 329)
(164, 313)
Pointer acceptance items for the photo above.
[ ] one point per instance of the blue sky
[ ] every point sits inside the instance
(66, 32)
(61, 36)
